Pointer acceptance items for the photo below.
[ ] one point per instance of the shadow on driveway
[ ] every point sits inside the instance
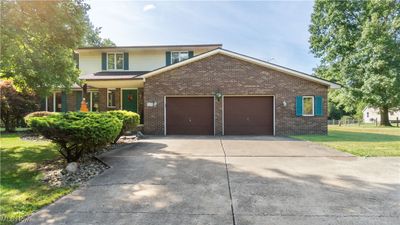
(190, 181)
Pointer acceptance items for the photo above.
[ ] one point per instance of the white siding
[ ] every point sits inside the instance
(146, 60)
(89, 62)
(371, 114)
(139, 60)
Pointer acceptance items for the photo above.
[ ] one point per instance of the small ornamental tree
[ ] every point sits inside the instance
(14, 105)
(77, 133)
(130, 121)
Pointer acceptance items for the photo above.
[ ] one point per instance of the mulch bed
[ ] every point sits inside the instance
(90, 166)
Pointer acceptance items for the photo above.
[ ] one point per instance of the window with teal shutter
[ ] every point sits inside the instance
(64, 102)
(167, 58)
(126, 61)
(103, 61)
(299, 105)
(318, 106)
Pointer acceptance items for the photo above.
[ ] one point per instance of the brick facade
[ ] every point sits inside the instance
(231, 76)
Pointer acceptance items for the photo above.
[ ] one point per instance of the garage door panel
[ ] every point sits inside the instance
(190, 115)
(248, 115)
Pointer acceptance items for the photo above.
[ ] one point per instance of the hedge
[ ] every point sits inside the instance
(77, 133)
(130, 120)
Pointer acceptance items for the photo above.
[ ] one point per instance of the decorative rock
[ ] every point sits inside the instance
(139, 134)
(72, 167)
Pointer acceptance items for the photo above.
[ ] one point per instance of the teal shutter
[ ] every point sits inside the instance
(126, 61)
(190, 54)
(78, 100)
(299, 105)
(64, 102)
(167, 58)
(103, 61)
(318, 106)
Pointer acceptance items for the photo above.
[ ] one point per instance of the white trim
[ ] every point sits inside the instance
(302, 102)
(115, 61)
(91, 98)
(273, 112)
(179, 53)
(165, 115)
(55, 102)
(244, 58)
(47, 104)
(273, 100)
(115, 104)
(185, 96)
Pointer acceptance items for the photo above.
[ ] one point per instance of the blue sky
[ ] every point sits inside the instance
(275, 31)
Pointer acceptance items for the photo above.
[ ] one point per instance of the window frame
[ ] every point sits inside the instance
(115, 60)
(115, 98)
(91, 99)
(313, 102)
(55, 100)
(179, 56)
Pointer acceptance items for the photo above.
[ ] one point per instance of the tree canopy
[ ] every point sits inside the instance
(358, 43)
(38, 39)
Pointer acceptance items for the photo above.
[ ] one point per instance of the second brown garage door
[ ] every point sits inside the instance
(248, 115)
(190, 115)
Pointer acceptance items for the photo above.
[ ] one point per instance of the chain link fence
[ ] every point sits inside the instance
(358, 122)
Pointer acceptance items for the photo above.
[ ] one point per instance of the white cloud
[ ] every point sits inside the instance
(148, 7)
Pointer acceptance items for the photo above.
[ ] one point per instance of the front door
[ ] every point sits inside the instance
(129, 100)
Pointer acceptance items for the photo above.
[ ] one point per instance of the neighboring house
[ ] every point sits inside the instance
(371, 114)
(199, 89)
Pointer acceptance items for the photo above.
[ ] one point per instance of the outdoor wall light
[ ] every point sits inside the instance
(284, 103)
(218, 95)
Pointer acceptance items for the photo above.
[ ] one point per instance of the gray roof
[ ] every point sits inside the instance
(113, 75)
(154, 46)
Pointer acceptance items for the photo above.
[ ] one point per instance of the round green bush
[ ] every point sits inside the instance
(130, 120)
(77, 133)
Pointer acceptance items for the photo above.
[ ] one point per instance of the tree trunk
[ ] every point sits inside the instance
(9, 126)
(385, 116)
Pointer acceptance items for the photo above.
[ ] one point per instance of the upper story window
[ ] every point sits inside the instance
(179, 56)
(115, 61)
(308, 105)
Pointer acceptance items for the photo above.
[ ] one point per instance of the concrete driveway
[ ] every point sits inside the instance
(233, 180)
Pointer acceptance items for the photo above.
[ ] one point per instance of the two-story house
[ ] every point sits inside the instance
(198, 89)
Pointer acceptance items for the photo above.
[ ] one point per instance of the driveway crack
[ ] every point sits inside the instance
(229, 182)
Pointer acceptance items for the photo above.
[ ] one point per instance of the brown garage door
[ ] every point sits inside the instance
(190, 115)
(248, 115)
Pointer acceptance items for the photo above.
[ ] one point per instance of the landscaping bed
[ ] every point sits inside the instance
(33, 173)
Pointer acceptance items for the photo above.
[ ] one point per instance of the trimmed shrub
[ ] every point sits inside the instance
(77, 133)
(130, 120)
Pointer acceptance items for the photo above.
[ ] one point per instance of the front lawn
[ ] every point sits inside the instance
(360, 140)
(21, 191)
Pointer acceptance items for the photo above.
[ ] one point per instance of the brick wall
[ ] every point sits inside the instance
(231, 76)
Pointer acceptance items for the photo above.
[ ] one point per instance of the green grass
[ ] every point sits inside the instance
(21, 191)
(360, 140)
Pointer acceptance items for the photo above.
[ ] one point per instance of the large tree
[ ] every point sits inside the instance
(358, 43)
(38, 39)
(92, 37)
